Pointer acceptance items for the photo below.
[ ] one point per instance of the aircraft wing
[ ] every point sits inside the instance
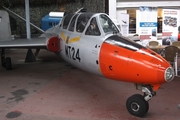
(51, 43)
(39, 42)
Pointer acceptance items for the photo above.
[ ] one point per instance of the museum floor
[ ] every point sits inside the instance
(51, 89)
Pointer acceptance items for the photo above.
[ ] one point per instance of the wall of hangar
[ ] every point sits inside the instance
(40, 8)
(131, 7)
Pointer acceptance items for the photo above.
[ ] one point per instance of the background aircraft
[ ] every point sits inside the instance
(92, 42)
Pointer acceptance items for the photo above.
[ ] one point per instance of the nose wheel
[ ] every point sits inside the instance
(137, 105)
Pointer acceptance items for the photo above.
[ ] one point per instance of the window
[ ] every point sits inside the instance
(82, 21)
(93, 28)
(67, 20)
(107, 24)
(132, 20)
(71, 26)
(159, 20)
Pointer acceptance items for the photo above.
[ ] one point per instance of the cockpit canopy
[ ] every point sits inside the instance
(94, 24)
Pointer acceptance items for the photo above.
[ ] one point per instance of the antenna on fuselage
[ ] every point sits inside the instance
(81, 10)
(78, 11)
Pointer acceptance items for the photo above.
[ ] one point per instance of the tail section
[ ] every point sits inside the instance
(5, 29)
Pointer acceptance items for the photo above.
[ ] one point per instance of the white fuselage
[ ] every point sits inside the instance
(80, 49)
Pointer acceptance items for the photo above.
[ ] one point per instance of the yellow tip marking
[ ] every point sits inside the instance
(63, 36)
(74, 39)
(71, 40)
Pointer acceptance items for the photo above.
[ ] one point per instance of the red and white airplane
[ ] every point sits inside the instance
(92, 42)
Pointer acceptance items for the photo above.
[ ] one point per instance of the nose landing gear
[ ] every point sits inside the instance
(137, 104)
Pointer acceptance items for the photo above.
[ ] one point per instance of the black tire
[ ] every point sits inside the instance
(137, 106)
(147, 104)
(8, 65)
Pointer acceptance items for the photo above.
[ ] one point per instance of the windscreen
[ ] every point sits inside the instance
(107, 24)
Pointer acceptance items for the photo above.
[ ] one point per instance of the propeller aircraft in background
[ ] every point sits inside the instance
(93, 43)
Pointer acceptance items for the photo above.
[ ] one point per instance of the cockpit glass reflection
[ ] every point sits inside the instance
(107, 24)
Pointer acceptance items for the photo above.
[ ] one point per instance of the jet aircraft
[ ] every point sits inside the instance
(93, 43)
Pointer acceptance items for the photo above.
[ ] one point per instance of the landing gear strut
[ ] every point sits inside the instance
(5, 62)
(137, 104)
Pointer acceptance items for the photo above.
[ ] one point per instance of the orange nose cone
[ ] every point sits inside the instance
(142, 66)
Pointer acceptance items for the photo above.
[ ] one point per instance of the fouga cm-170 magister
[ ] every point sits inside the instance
(92, 42)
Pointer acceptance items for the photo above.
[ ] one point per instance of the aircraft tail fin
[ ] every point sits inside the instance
(5, 29)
